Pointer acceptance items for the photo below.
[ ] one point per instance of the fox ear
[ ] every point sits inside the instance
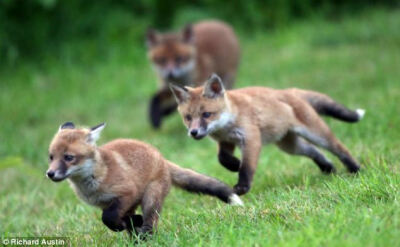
(180, 94)
(67, 125)
(214, 87)
(187, 34)
(152, 37)
(95, 132)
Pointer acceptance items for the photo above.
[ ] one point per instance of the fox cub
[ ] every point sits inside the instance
(190, 56)
(250, 117)
(121, 175)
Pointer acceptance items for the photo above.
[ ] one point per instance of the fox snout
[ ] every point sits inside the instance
(57, 172)
(197, 128)
(197, 133)
(55, 175)
(172, 74)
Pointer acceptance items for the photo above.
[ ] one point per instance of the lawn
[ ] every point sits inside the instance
(355, 59)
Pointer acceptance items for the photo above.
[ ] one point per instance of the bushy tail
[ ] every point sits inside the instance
(324, 105)
(195, 182)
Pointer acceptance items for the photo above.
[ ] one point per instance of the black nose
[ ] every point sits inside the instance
(194, 132)
(170, 75)
(50, 174)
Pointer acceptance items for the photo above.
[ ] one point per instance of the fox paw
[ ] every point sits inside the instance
(328, 169)
(144, 232)
(241, 189)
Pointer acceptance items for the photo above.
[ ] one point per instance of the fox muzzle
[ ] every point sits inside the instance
(57, 171)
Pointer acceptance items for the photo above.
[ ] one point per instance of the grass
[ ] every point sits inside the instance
(355, 60)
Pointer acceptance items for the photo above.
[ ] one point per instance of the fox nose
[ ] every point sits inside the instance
(170, 75)
(50, 174)
(194, 132)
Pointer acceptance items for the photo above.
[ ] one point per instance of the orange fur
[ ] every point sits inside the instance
(251, 117)
(122, 175)
(189, 57)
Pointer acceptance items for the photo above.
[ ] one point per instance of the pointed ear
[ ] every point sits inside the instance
(214, 87)
(180, 94)
(67, 125)
(187, 34)
(152, 37)
(95, 132)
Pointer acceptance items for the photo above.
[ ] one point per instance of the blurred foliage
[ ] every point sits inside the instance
(31, 27)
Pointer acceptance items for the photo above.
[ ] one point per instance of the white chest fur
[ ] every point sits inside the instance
(88, 190)
(230, 134)
(87, 187)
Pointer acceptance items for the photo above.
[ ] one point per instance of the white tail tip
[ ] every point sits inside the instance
(235, 200)
(361, 113)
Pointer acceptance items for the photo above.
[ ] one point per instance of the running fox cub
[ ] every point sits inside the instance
(121, 175)
(190, 56)
(251, 117)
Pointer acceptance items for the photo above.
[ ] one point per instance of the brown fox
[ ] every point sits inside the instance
(251, 117)
(121, 175)
(187, 58)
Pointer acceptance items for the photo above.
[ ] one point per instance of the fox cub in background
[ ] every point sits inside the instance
(121, 175)
(251, 117)
(187, 58)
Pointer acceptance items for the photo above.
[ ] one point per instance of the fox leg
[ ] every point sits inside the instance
(250, 154)
(152, 201)
(113, 215)
(161, 104)
(293, 144)
(226, 158)
(319, 134)
(133, 222)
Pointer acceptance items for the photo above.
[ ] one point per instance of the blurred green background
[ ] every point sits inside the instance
(31, 27)
(85, 61)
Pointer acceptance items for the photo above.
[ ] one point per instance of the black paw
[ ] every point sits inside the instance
(328, 169)
(351, 164)
(144, 232)
(353, 169)
(241, 189)
(325, 166)
(133, 222)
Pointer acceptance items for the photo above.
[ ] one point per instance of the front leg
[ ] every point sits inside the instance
(133, 223)
(111, 216)
(250, 154)
(116, 216)
(226, 158)
(162, 104)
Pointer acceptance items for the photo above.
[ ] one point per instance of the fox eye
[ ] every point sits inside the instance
(206, 114)
(188, 118)
(68, 157)
(51, 157)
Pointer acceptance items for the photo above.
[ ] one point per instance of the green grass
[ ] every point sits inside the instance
(355, 60)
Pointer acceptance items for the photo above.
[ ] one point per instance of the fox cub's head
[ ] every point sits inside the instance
(72, 151)
(204, 109)
(173, 54)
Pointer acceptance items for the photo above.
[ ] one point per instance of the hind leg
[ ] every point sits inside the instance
(293, 144)
(319, 134)
(152, 201)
